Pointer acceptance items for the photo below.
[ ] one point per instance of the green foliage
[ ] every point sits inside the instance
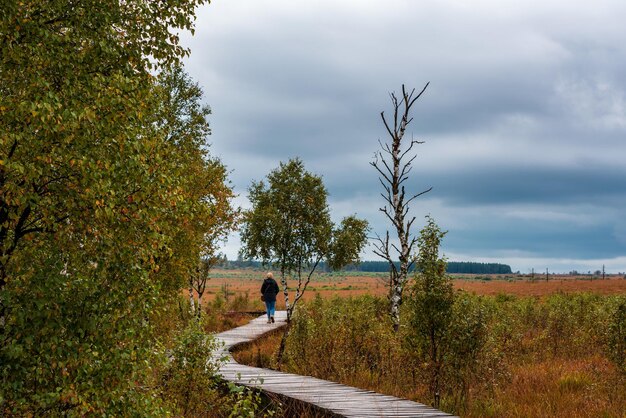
(108, 199)
(350, 340)
(77, 342)
(247, 403)
(432, 294)
(188, 383)
(348, 242)
(447, 331)
(182, 121)
(342, 340)
(74, 96)
(577, 318)
(469, 267)
(189, 380)
(289, 221)
(469, 356)
(431, 304)
(242, 302)
(289, 226)
(616, 343)
(472, 267)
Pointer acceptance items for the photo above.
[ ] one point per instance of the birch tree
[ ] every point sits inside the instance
(197, 282)
(289, 226)
(393, 164)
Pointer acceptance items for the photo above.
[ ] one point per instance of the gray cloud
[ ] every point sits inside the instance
(524, 121)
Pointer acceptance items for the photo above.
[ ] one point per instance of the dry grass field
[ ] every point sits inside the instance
(548, 350)
(238, 282)
(539, 287)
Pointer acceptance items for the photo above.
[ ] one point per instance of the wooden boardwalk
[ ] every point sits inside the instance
(337, 399)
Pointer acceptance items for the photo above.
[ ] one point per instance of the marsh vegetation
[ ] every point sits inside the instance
(506, 355)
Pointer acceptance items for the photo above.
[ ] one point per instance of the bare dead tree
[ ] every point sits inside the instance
(394, 164)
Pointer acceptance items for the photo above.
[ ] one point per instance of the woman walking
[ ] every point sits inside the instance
(269, 290)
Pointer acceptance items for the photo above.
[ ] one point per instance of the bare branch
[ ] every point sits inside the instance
(408, 225)
(393, 176)
(403, 178)
(382, 115)
(419, 194)
(387, 199)
(384, 210)
(384, 146)
(387, 189)
(382, 173)
(307, 281)
(419, 95)
(408, 165)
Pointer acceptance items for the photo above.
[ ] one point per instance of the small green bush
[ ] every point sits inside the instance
(616, 336)
(575, 323)
(339, 338)
(248, 403)
(189, 380)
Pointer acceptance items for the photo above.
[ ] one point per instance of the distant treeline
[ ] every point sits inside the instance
(478, 268)
(468, 267)
(464, 267)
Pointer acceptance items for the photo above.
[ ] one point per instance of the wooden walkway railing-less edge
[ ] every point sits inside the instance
(333, 397)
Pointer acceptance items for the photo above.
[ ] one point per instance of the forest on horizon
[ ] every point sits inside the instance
(454, 267)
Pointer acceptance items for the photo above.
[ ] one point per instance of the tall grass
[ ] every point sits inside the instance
(557, 356)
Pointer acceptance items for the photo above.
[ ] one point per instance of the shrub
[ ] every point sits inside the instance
(189, 380)
(575, 323)
(467, 360)
(248, 403)
(616, 341)
(467, 353)
(486, 340)
(341, 339)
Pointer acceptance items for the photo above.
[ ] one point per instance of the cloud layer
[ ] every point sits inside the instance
(524, 120)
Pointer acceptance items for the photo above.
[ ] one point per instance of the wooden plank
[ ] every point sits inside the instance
(333, 397)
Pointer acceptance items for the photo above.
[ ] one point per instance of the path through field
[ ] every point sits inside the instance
(337, 399)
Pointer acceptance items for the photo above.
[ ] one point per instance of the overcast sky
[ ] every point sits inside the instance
(524, 121)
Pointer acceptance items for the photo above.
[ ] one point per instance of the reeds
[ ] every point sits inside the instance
(544, 356)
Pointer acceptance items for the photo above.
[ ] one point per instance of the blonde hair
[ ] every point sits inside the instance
(269, 275)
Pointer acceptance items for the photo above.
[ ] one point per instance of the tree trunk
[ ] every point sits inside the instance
(434, 379)
(191, 301)
(2, 307)
(281, 348)
(283, 281)
(394, 169)
(395, 300)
